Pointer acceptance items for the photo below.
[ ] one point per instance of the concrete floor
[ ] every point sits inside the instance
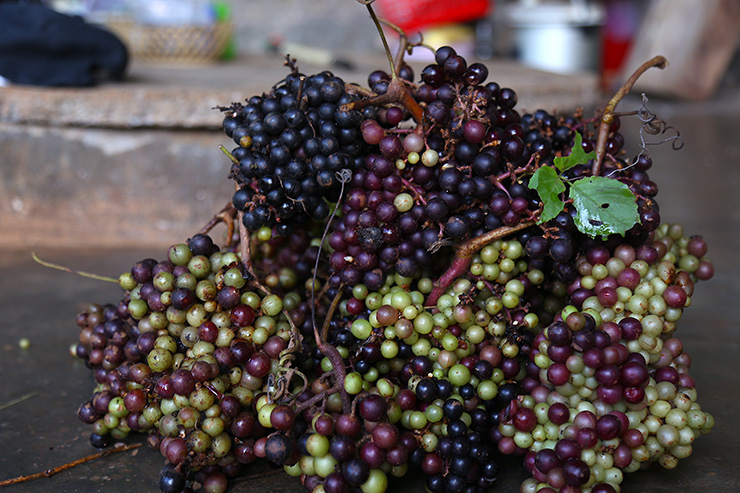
(43, 386)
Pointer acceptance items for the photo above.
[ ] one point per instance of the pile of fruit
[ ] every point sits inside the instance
(416, 276)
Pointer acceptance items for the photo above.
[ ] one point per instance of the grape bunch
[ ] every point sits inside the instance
(417, 278)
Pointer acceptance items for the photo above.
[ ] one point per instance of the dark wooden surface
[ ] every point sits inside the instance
(699, 188)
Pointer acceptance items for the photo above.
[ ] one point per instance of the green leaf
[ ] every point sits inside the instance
(577, 156)
(549, 186)
(603, 206)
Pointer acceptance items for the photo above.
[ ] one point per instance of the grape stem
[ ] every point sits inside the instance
(608, 115)
(245, 248)
(50, 472)
(226, 216)
(67, 269)
(464, 255)
(397, 90)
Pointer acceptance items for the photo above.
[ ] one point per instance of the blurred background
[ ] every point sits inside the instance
(115, 142)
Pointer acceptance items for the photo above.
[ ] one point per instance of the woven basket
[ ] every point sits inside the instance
(174, 45)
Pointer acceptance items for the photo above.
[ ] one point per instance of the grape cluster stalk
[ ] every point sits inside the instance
(413, 280)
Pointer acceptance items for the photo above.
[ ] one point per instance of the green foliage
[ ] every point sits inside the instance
(549, 186)
(577, 156)
(603, 205)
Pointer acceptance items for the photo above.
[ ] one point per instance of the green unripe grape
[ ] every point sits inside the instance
(489, 254)
(410, 312)
(264, 234)
(293, 471)
(523, 440)
(272, 305)
(421, 347)
(201, 399)
(440, 320)
(509, 299)
(360, 291)
(117, 408)
(164, 281)
(377, 482)
(233, 277)
(507, 265)
(251, 299)
(126, 281)
(121, 432)
(487, 390)
(450, 342)
(189, 336)
(417, 420)
(159, 359)
(389, 349)
(186, 280)
(429, 441)
(202, 348)
(110, 421)
(226, 259)
(475, 334)
(152, 413)
(458, 375)
(430, 158)
(306, 463)
(213, 426)
(216, 261)
(434, 413)
(199, 266)
(353, 383)
(536, 277)
(361, 328)
(317, 445)
(513, 249)
(138, 309)
(225, 336)
(206, 290)
(476, 268)
(373, 301)
(263, 414)
(403, 202)
(515, 286)
(324, 465)
(168, 407)
(444, 302)
(100, 427)
(371, 376)
(531, 320)
(196, 315)
(425, 285)
(199, 441)
(493, 305)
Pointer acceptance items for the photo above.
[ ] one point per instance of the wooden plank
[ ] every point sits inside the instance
(697, 38)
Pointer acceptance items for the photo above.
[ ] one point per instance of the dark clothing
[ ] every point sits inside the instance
(39, 46)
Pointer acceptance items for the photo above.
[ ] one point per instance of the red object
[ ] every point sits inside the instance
(618, 33)
(414, 15)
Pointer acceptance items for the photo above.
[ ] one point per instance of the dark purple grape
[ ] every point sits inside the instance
(278, 448)
(456, 227)
(433, 76)
(506, 98)
(476, 74)
(455, 66)
(355, 471)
